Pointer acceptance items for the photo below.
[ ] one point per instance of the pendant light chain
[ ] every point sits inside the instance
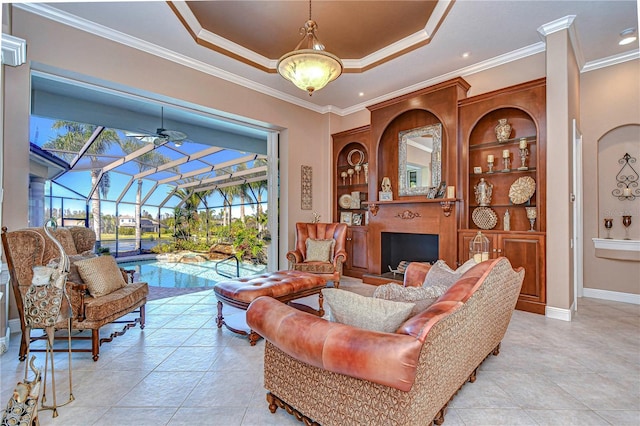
(309, 9)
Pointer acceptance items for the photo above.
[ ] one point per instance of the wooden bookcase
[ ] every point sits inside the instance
(524, 108)
(350, 148)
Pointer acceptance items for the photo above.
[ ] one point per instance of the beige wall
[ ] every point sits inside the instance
(512, 73)
(560, 112)
(610, 109)
(305, 136)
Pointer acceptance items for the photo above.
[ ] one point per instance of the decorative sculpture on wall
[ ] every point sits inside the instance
(306, 196)
(626, 180)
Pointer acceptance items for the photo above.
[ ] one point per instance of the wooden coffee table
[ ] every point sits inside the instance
(285, 286)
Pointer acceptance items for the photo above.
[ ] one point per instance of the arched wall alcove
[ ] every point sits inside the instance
(388, 143)
(612, 147)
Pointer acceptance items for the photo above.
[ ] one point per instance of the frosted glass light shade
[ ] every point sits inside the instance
(310, 69)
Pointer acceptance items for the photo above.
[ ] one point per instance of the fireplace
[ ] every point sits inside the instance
(398, 246)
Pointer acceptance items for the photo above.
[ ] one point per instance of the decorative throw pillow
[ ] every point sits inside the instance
(401, 293)
(423, 297)
(366, 312)
(319, 250)
(466, 266)
(74, 274)
(101, 275)
(441, 274)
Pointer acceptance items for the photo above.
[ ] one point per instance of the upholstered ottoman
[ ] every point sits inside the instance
(284, 286)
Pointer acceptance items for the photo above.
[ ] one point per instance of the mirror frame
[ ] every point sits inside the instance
(433, 130)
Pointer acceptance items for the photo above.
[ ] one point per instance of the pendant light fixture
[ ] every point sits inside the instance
(309, 66)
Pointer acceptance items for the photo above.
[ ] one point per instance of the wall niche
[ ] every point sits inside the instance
(389, 141)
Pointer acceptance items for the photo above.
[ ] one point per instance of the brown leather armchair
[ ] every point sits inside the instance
(331, 270)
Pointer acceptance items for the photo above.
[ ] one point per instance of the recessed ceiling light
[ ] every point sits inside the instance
(628, 36)
(361, 94)
(466, 54)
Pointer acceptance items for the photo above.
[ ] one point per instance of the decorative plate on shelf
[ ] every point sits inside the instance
(522, 189)
(484, 217)
(345, 201)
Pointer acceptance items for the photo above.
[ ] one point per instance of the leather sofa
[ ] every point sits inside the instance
(29, 247)
(335, 374)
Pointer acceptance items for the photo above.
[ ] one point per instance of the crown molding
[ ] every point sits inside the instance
(14, 50)
(611, 60)
(248, 56)
(565, 23)
(461, 72)
(48, 12)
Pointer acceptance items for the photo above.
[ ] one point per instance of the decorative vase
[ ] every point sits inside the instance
(503, 130)
(483, 191)
(608, 224)
(626, 221)
(386, 184)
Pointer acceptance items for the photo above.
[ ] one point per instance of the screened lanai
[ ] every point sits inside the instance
(148, 175)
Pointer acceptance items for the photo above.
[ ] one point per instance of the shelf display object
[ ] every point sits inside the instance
(351, 170)
(504, 133)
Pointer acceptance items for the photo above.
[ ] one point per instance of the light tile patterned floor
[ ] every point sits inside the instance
(183, 370)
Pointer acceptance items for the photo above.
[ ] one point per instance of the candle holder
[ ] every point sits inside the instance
(350, 173)
(343, 175)
(626, 221)
(490, 164)
(532, 214)
(608, 224)
(357, 168)
(507, 164)
(626, 180)
(524, 152)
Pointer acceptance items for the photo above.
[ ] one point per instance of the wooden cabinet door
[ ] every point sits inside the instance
(527, 251)
(465, 237)
(357, 263)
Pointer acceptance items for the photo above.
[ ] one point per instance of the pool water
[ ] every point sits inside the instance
(187, 275)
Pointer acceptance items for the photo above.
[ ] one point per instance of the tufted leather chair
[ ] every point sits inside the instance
(331, 270)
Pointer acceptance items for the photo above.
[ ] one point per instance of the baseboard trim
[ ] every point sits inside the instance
(14, 325)
(4, 342)
(615, 296)
(558, 313)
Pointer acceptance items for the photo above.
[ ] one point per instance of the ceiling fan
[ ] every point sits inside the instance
(161, 135)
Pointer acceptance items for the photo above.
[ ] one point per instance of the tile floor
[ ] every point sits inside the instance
(182, 370)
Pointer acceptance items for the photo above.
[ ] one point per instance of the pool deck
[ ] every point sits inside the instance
(136, 257)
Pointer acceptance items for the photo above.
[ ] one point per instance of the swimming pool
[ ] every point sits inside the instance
(186, 275)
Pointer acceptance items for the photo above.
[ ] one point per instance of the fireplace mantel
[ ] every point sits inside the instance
(412, 217)
(445, 203)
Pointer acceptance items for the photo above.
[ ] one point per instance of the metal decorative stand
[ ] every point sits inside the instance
(47, 304)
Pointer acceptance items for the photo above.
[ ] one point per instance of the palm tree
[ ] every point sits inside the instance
(71, 142)
(228, 194)
(258, 188)
(145, 161)
(192, 201)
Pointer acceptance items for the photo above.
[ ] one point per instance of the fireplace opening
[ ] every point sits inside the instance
(398, 247)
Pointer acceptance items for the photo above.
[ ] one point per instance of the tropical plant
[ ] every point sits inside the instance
(68, 143)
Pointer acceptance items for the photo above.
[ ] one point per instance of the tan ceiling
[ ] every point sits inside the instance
(348, 29)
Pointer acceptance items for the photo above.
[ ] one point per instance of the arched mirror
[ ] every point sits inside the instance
(419, 158)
